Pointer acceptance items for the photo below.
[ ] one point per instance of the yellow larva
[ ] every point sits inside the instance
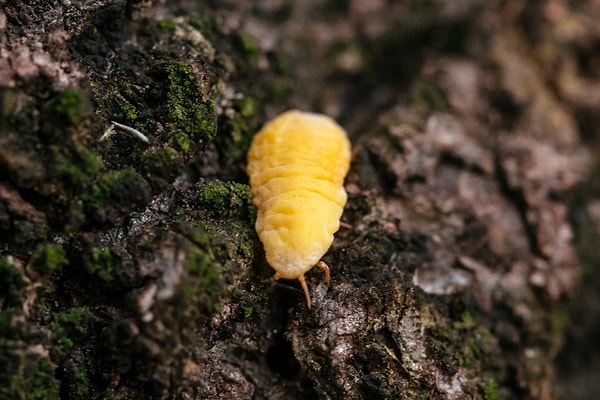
(297, 164)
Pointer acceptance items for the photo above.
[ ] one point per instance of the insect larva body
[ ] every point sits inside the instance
(297, 164)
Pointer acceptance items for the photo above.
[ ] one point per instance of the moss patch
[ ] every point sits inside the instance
(69, 328)
(115, 194)
(49, 258)
(167, 25)
(101, 264)
(24, 372)
(206, 284)
(239, 128)
(163, 163)
(77, 168)
(190, 118)
(34, 380)
(249, 48)
(71, 105)
(11, 284)
(224, 199)
(491, 390)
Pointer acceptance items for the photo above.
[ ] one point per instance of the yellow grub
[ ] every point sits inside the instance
(297, 164)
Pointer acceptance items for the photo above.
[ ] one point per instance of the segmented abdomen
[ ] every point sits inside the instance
(297, 164)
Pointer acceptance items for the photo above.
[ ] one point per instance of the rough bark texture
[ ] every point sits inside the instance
(130, 269)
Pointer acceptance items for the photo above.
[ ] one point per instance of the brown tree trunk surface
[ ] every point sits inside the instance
(129, 265)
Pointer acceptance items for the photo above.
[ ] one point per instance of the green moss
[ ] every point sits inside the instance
(224, 199)
(247, 107)
(100, 263)
(248, 311)
(129, 111)
(181, 141)
(24, 373)
(76, 319)
(467, 321)
(79, 385)
(167, 25)
(245, 244)
(491, 390)
(11, 284)
(49, 258)
(196, 233)
(204, 25)
(76, 168)
(70, 105)
(191, 119)
(240, 131)
(278, 90)
(206, 275)
(113, 184)
(203, 266)
(34, 380)
(250, 48)
(70, 327)
(116, 193)
(477, 345)
(164, 162)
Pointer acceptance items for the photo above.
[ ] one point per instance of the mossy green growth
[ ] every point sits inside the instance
(224, 199)
(24, 373)
(244, 243)
(101, 263)
(70, 105)
(79, 383)
(76, 168)
(247, 106)
(491, 390)
(163, 163)
(167, 25)
(113, 184)
(11, 284)
(478, 345)
(278, 90)
(191, 118)
(129, 111)
(250, 48)
(49, 258)
(207, 26)
(119, 190)
(467, 321)
(32, 380)
(240, 130)
(205, 284)
(70, 327)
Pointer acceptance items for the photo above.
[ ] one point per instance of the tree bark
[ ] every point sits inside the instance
(129, 266)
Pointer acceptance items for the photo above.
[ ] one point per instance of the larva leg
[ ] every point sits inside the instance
(302, 283)
(305, 288)
(325, 268)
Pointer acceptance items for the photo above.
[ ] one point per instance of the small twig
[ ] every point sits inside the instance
(132, 131)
